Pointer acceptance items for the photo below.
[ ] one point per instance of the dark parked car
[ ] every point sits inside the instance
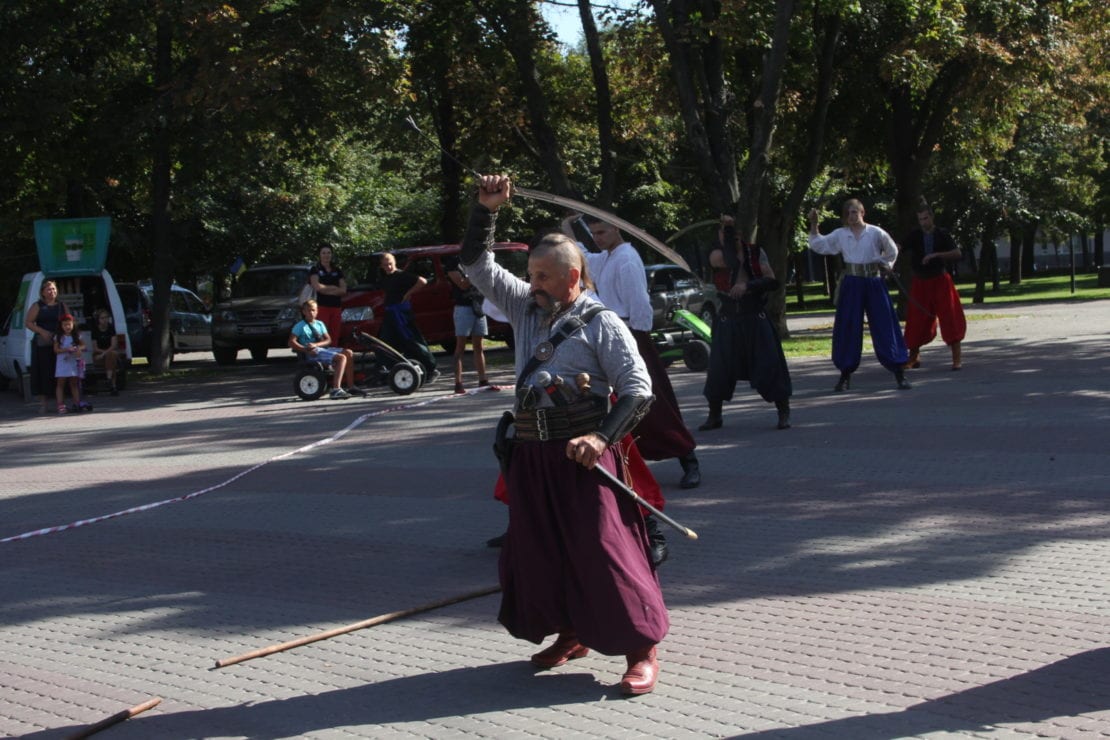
(190, 319)
(671, 287)
(264, 304)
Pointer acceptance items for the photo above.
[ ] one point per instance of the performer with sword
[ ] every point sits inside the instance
(575, 560)
(636, 469)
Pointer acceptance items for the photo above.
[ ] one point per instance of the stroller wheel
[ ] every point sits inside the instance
(696, 355)
(404, 378)
(309, 384)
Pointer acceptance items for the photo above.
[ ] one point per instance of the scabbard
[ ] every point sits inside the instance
(619, 485)
(502, 444)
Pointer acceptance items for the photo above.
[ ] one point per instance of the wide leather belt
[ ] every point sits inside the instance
(560, 422)
(856, 270)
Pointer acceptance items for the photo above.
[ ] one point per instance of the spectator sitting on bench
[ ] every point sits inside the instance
(311, 338)
(105, 352)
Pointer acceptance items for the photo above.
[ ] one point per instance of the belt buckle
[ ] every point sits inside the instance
(541, 424)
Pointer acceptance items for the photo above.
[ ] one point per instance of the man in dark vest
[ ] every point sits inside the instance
(745, 343)
(933, 296)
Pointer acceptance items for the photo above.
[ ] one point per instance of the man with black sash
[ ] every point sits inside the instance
(745, 343)
(575, 559)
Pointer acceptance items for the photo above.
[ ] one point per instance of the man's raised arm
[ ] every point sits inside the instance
(493, 191)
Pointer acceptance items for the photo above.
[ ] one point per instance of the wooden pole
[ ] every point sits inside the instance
(115, 719)
(380, 619)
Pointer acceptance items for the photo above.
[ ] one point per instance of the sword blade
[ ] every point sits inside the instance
(629, 228)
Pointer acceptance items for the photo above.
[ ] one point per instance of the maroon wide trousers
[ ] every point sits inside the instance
(576, 556)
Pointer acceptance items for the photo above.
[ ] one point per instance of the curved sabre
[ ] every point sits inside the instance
(629, 228)
(571, 203)
(691, 227)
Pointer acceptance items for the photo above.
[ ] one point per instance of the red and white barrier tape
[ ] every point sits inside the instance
(338, 435)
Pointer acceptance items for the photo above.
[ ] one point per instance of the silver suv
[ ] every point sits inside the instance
(670, 287)
(263, 307)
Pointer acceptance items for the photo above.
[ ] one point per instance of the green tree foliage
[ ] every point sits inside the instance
(282, 121)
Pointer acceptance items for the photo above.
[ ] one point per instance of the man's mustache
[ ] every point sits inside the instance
(552, 306)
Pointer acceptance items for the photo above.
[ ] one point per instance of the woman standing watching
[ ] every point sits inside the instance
(44, 319)
(327, 280)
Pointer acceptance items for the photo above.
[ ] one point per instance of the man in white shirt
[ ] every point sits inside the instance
(868, 252)
(621, 284)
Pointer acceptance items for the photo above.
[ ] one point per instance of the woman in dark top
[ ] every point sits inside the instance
(330, 286)
(43, 319)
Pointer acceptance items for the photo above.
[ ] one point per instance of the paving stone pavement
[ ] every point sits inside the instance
(928, 563)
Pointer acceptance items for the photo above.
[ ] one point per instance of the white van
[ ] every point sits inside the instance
(83, 296)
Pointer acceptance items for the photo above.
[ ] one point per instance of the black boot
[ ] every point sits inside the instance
(714, 420)
(657, 541)
(844, 383)
(784, 413)
(691, 474)
(900, 378)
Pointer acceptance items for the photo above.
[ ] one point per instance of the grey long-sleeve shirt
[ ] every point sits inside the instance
(604, 348)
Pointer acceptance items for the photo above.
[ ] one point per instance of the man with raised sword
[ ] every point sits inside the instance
(575, 560)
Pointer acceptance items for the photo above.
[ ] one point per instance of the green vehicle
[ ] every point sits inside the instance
(690, 342)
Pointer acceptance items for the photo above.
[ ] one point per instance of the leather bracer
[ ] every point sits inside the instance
(479, 234)
(623, 417)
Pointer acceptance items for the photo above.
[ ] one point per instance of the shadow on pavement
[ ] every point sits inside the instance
(459, 692)
(1071, 687)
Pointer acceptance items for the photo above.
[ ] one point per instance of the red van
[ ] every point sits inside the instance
(432, 306)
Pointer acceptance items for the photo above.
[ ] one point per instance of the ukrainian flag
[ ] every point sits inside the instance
(238, 267)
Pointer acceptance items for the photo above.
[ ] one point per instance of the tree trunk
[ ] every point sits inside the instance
(992, 253)
(607, 154)
(988, 264)
(1016, 256)
(160, 216)
(972, 262)
(908, 162)
(447, 130)
(516, 27)
(698, 73)
(763, 125)
(75, 199)
(914, 129)
(1028, 247)
(777, 229)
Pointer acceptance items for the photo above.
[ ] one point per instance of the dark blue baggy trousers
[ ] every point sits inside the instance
(855, 297)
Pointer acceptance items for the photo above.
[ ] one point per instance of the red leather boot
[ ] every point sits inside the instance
(642, 673)
(566, 647)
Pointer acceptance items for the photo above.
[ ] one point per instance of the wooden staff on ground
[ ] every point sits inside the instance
(380, 619)
(115, 719)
